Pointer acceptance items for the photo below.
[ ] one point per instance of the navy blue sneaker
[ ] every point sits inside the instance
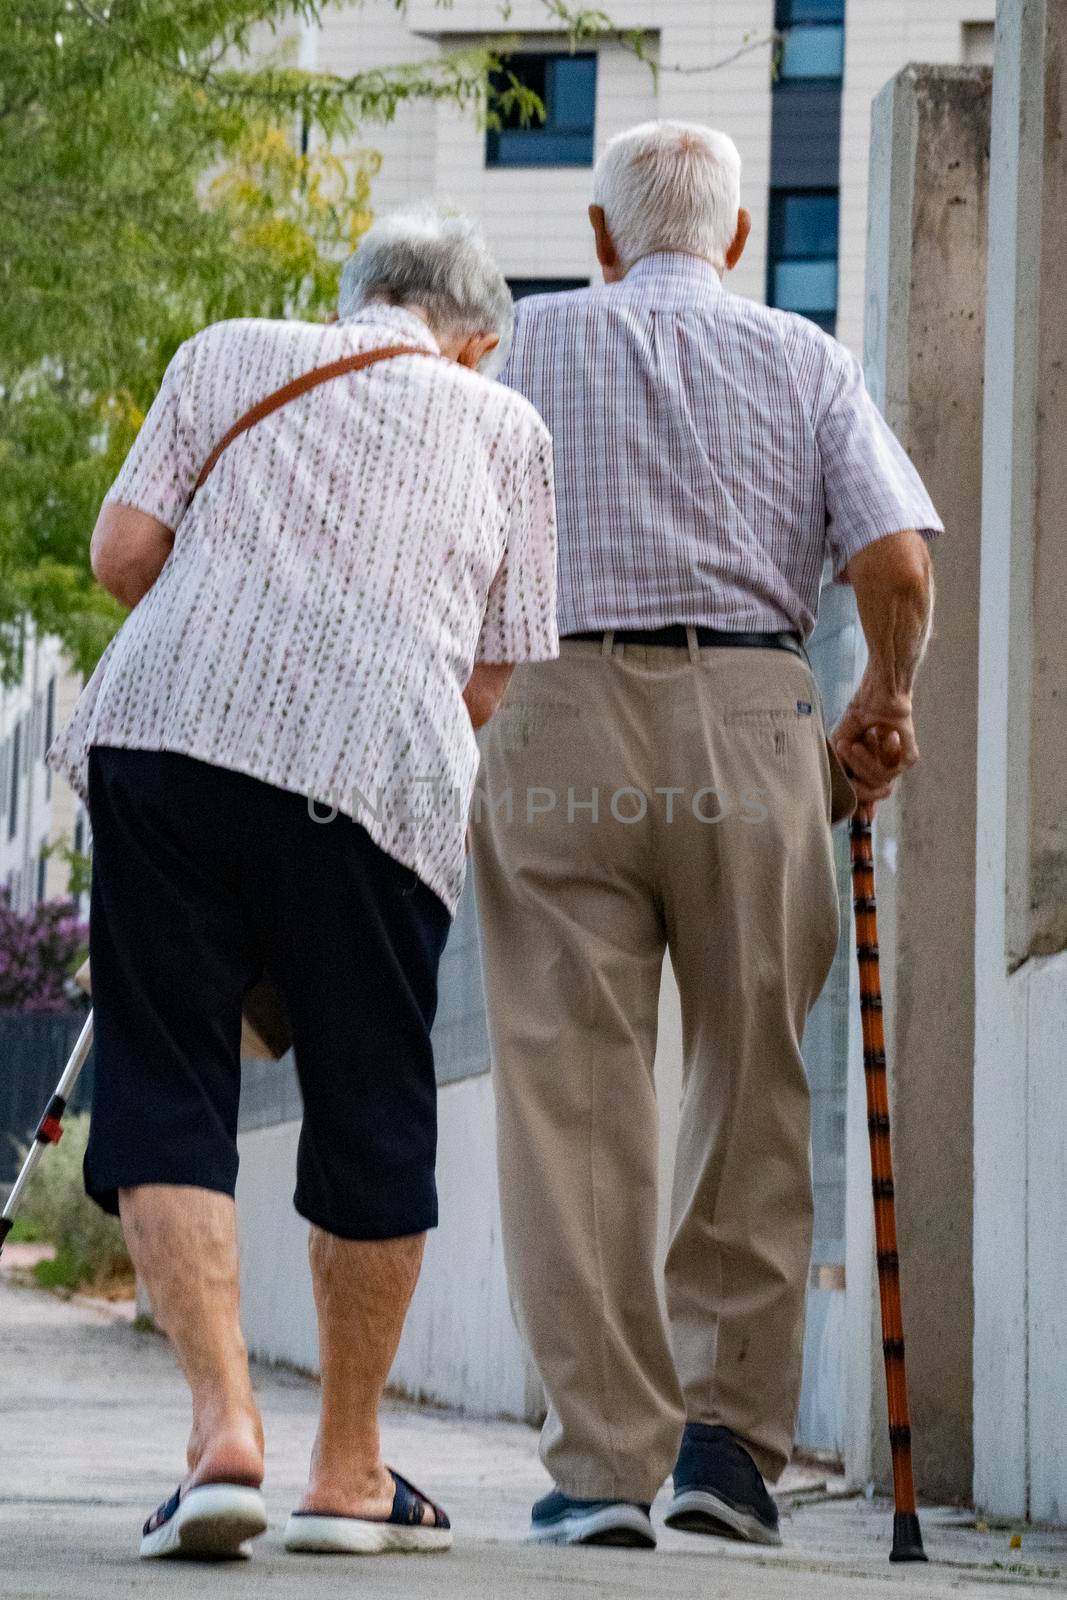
(718, 1489)
(560, 1519)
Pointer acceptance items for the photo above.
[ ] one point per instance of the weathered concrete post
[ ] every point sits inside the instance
(1020, 1244)
(924, 358)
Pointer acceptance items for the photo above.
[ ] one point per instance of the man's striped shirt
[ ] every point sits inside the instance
(710, 453)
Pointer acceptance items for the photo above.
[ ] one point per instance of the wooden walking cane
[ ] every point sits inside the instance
(907, 1535)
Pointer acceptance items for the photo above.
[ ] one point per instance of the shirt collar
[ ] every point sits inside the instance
(410, 327)
(677, 270)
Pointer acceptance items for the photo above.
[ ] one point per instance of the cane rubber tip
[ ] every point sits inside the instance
(907, 1538)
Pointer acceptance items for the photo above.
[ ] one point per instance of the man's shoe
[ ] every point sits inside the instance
(718, 1489)
(560, 1519)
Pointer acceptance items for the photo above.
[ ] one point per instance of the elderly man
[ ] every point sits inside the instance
(666, 786)
(308, 621)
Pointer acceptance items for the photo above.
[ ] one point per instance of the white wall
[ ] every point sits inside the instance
(1020, 1108)
(45, 808)
(460, 1347)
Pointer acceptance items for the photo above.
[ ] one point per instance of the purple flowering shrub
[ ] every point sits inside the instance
(39, 951)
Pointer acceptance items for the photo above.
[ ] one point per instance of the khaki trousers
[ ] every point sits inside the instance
(633, 800)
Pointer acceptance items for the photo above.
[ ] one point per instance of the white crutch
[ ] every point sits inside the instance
(50, 1127)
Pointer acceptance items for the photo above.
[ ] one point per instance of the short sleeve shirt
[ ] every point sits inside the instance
(334, 581)
(711, 454)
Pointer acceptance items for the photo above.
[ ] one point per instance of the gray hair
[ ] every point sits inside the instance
(421, 256)
(670, 186)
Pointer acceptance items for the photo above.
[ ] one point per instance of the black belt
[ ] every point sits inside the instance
(675, 637)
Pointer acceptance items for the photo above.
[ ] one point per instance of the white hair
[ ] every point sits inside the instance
(422, 256)
(670, 186)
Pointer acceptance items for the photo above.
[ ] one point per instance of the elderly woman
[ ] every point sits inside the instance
(278, 758)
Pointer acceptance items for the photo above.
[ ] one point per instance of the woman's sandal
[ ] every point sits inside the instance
(209, 1523)
(329, 1533)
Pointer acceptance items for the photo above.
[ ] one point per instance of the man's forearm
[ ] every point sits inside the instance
(894, 594)
(897, 636)
(875, 739)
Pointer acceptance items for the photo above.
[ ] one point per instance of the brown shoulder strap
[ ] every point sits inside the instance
(298, 386)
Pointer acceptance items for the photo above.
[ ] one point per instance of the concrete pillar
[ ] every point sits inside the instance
(1020, 1245)
(924, 355)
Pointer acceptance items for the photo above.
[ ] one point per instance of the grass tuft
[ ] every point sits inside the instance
(23, 1232)
(62, 1272)
(90, 1250)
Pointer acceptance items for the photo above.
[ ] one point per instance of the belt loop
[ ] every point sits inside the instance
(694, 647)
(607, 646)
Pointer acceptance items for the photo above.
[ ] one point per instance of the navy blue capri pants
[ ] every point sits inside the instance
(204, 880)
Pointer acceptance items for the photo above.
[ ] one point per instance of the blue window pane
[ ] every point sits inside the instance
(572, 94)
(804, 225)
(814, 52)
(536, 148)
(805, 286)
(790, 11)
(566, 87)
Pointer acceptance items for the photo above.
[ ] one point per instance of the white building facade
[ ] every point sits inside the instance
(41, 818)
(803, 129)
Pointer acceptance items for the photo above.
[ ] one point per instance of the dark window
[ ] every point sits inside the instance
(521, 287)
(566, 87)
(806, 136)
(788, 12)
(42, 868)
(813, 45)
(13, 796)
(802, 254)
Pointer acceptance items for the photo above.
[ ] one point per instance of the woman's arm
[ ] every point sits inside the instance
(485, 691)
(128, 551)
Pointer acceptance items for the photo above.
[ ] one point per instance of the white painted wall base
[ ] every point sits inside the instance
(460, 1346)
(1020, 1111)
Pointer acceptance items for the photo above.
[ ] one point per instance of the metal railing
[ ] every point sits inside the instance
(34, 1048)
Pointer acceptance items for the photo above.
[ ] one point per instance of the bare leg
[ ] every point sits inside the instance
(184, 1245)
(362, 1292)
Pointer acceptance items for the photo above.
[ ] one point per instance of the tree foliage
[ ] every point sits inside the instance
(154, 176)
(164, 164)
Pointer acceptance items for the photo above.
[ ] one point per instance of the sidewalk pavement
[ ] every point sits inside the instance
(93, 1419)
